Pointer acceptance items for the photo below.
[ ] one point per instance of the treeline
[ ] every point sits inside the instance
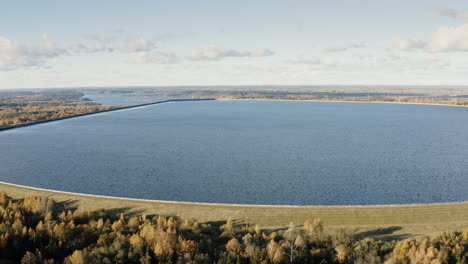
(21, 107)
(39, 230)
(386, 97)
(20, 99)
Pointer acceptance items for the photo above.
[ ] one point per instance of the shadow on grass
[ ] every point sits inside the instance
(395, 237)
(385, 234)
(65, 205)
(127, 211)
(73, 205)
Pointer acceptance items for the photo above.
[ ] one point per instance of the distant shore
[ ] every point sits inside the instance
(338, 101)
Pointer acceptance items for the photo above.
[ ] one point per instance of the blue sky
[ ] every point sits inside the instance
(127, 43)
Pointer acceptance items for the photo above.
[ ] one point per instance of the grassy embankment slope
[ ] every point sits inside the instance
(399, 221)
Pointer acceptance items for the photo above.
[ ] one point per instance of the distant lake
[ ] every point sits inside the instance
(256, 152)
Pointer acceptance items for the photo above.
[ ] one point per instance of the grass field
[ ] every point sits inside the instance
(386, 221)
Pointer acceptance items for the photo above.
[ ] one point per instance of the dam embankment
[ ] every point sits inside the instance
(400, 220)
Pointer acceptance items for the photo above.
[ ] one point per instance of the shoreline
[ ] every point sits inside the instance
(339, 101)
(232, 204)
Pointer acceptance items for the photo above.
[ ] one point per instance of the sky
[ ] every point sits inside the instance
(45, 44)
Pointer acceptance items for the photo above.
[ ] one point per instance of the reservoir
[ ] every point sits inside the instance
(252, 152)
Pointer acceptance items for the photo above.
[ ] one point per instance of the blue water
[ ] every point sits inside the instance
(126, 98)
(253, 152)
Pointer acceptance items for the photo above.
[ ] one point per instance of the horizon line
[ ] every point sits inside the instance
(248, 85)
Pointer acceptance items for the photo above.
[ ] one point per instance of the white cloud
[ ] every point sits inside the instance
(138, 45)
(390, 64)
(449, 39)
(215, 53)
(444, 11)
(463, 16)
(140, 50)
(154, 57)
(401, 63)
(311, 61)
(407, 44)
(387, 64)
(344, 47)
(45, 47)
(166, 36)
(103, 38)
(450, 12)
(90, 48)
(444, 39)
(15, 55)
(100, 43)
(258, 53)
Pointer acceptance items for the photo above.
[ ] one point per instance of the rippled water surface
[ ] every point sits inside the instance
(250, 152)
(126, 98)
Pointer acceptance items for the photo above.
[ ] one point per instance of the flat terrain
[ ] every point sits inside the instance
(387, 221)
